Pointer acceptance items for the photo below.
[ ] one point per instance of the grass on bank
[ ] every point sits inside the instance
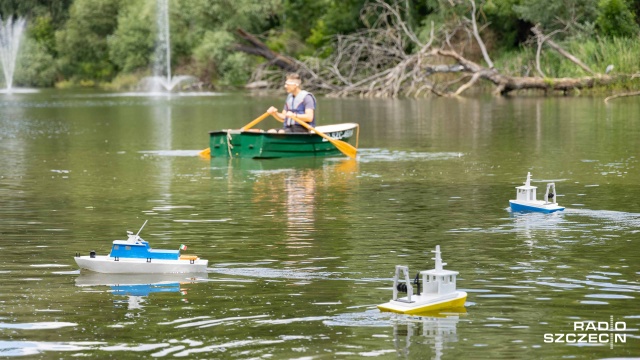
(597, 53)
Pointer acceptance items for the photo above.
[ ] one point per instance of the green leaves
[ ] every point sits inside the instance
(616, 19)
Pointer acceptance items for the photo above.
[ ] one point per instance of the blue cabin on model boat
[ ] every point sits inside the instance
(136, 247)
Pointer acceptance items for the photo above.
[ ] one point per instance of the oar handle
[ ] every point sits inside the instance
(254, 122)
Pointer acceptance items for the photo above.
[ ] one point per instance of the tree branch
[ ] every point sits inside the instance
(635, 93)
(562, 52)
(476, 34)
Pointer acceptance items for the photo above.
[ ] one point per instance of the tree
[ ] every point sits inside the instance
(57, 10)
(558, 14)
(82, 43)
(204, 35)
(616, 19)
(131, 44)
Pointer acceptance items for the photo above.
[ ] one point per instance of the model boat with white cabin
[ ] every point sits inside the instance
(135, 256)
(439, 290)
(526, 198)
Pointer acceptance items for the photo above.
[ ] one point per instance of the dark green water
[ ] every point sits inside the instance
(301, 251)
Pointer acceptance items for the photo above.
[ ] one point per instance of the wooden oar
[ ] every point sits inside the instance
(254, 122)
(206, 153)
(344, 147)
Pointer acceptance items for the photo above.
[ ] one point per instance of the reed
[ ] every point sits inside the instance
(597, 53)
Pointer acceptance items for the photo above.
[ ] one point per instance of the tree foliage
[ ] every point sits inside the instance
(82, 43)
(57, 10)
(96, 40)
(131, 44)
(559, 14)
(616, 19)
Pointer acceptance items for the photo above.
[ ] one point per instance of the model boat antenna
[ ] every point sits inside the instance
(438, 259)
(528, 182)
(145, 223)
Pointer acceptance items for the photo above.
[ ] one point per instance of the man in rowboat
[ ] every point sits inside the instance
(299, 102)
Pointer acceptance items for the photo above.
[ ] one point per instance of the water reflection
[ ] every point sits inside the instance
(299, 189)
(435, 329)
(420, 336)
(136, 287)
(292, 184)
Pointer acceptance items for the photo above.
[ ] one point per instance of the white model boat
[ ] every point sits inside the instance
(135, 256)
(526, 198)
(439, 290)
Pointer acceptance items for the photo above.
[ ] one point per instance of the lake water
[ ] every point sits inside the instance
(301, 251)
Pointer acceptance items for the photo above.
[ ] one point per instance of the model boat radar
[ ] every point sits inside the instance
(135, 256)
(526, 198)
(439, 290)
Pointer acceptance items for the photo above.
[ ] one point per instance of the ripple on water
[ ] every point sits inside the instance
(608, 296)
(36, 325)
(384, 155)
(206, 321)
(171, 153)
(275, 273)
(590, 302)
(49, 265)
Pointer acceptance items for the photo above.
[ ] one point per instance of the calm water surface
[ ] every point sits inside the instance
(301, 251)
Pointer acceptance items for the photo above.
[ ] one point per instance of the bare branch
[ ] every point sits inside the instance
(636, 93)
(400, 22)
(560, 50)
(476, 34)
(375, 62)
(464, 87)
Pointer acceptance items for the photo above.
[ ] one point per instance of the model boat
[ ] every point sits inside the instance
(526, 198)
(135, 256)
(438, 290)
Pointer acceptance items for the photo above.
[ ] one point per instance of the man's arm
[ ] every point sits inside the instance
(306, 117)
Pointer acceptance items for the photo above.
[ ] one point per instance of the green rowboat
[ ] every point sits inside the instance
(259, 144)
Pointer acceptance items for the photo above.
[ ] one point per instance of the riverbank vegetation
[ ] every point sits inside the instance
(383, 48)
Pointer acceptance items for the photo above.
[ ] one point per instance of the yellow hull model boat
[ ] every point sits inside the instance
(439, 290)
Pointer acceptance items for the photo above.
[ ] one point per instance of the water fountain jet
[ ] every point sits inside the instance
(10, 36)
(162, 81)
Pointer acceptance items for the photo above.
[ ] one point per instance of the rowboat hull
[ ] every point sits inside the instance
(258, 144)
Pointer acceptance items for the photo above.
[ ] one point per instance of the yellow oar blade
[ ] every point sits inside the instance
(344, 147)
(206, 153)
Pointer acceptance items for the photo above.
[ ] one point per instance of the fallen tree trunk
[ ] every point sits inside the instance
(257, 47)
(375, 62)
(506, 84)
